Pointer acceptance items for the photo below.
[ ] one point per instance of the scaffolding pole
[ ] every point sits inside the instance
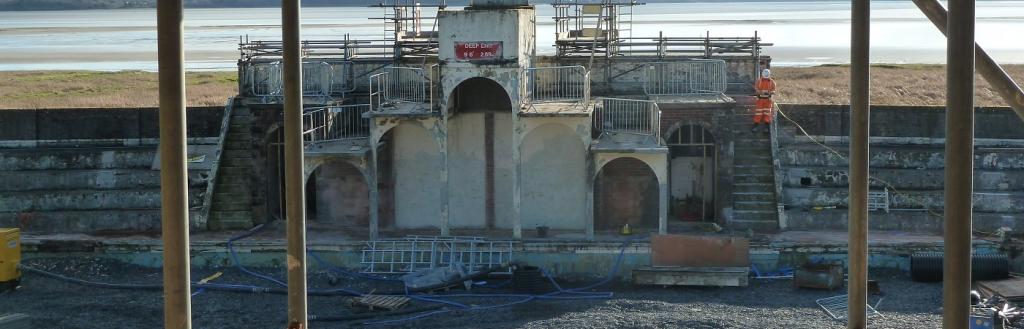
(987, 67)
(293, 166)
(860, 107)
(173, 168)
(956, 276)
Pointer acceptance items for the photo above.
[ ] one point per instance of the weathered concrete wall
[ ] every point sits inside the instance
(514, 28)
(554, 178)
(111, 124)
(467, 197)
(504, 166)
(417, 165)
(625, 191)
(907, 157)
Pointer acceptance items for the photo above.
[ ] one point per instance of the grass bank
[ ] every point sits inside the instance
(912, 84)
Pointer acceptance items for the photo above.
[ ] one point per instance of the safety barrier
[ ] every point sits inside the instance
(691, 77)
(319, 79)
(557, 84)
(399, 84)
(630, 116)
(332, 123)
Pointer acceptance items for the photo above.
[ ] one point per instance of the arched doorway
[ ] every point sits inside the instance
(274, 169)
(337, 193)
(626, 192)
(480, 162)
(692, 173)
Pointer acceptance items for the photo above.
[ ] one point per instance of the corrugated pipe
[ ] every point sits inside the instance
(927, 266)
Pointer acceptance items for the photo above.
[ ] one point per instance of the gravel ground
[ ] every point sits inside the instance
(765, 304)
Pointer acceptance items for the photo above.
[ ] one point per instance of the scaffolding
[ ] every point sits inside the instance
(592, 27)
(407, 32)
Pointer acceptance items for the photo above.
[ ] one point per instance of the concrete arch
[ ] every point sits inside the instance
(479, 94)
(339, 191)
(553, 181)
(623, 195)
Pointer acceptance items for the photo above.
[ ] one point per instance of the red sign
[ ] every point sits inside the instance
(475, 51)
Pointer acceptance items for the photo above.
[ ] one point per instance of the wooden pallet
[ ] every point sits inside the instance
(377, 302)
(1011, 289)
(692, 276)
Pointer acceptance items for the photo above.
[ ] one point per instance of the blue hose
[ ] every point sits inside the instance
(234, 256)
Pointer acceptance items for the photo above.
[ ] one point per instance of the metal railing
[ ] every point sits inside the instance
(630, 116)
(557, 84)
(615, 44)
(414, 253)
(319, 79)
(399, 85)
(263, 79)
(691, 77)
(331, 123)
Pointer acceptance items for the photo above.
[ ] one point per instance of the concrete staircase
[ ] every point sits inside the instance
(754, 197)
(232, 197)
(85, 190)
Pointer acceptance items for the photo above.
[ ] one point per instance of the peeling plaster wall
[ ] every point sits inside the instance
(554, 178)
(417, 164)
(467, 196)
(342, 196)
(503, 170)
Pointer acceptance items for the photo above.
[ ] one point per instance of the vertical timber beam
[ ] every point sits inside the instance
(956, 274)
(294, 184)
(987, 67)
(173, 169)
(860, 81)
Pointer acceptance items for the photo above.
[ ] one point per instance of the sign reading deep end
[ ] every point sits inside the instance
(480, 50)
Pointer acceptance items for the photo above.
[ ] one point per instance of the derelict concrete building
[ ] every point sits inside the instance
(464, 128)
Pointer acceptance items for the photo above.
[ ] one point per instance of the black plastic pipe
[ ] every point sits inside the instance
(927, 266)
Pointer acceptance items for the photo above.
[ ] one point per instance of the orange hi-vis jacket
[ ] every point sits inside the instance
(763, 109)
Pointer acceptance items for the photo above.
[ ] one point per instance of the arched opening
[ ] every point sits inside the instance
(554, 178)
(626, 192)
(275, 173)
(692, 174)
(337, 193)
(480, 155)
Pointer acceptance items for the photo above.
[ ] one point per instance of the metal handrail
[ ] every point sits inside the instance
(691, 77)
(557, 84)
(400, 85)
(630, 116)
(332, 123)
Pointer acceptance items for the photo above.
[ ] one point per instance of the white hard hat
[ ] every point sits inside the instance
(766, 73)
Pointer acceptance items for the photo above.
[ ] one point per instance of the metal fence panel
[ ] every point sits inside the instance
(630, 116)
(692, 77)
(557, 84)
(335, 123)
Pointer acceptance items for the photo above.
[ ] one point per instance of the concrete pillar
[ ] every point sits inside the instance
(591, 177)
(517, 163)
(371, 181)
(173, 169)
(663, 194)
(443, 147)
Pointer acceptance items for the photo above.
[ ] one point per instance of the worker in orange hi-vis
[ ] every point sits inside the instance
(764, 109)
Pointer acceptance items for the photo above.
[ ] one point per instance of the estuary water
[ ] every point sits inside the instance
(803, 33)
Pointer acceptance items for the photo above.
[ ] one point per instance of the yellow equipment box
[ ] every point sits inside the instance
(10, 256)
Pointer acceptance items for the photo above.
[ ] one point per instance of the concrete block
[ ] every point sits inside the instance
(62, 159)
(30, 180)
(686, 250)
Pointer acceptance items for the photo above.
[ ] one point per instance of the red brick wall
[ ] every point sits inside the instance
(626, 191)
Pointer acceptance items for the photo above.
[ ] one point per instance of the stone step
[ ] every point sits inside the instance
(753, 178)
(755, 205)
(753, 187)
(238, 135)
(760, 226)
(243, 162)
(754, 196)
(87, 221)
(237, 145)
(232, 205)
(234, 189)
(77, 158)
(230, 220)
(753, 169)
(224, 178)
